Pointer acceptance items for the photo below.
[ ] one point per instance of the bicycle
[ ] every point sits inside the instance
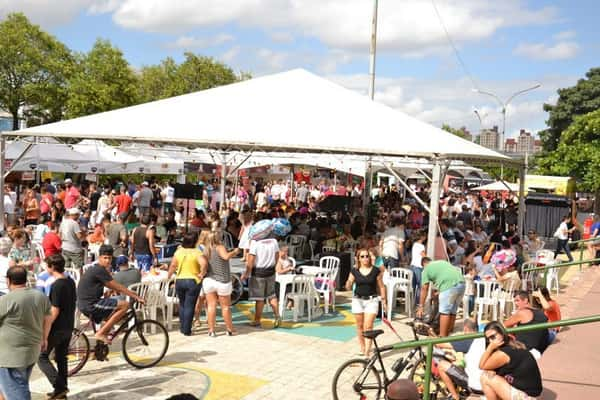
(367, 384)
(140, 349)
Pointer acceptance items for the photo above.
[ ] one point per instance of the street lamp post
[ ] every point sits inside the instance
(504, 105)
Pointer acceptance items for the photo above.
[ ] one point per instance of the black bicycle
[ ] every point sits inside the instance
(361, 378)
(144, 345)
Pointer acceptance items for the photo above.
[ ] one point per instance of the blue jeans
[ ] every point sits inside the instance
(187, 291)
(144, 262)
(390, 263)
(14, 383)
(563, 245)
(416, 283)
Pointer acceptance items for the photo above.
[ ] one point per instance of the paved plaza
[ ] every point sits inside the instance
(296, 361)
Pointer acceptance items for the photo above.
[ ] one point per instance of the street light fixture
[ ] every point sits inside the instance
(504, 105)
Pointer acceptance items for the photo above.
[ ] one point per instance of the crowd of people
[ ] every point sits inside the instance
(122, 223)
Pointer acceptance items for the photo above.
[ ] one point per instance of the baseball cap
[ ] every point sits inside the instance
(122, 260)
(73, 211)
(68, 180)
(144, 183)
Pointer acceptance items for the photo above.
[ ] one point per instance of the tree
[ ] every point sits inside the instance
(462, 132)
(580, 99)
(34, 69)
(103, 81)
(195, 73)
(578, 154)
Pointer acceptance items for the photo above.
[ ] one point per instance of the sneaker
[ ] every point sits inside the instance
(212, 334)
(57, 395)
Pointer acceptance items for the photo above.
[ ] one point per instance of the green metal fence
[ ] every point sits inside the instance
(429, 343)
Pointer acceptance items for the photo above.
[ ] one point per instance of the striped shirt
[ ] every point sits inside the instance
(218, 268)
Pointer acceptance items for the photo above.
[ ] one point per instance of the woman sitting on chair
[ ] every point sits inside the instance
(365, 301)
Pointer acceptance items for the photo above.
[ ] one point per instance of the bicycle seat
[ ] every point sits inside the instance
(373, 333)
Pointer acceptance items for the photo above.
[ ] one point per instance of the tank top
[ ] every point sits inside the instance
(187, 263)
(537, 339)
(522, 371)
(140, 242)
(366, 285)
(218, 268)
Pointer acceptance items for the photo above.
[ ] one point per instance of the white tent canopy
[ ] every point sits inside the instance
(498, 186)
(291, 111)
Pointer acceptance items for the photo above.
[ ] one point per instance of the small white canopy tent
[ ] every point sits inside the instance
(293, 111)
(498, 186)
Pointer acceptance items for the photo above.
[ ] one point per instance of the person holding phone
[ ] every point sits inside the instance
(509, 370)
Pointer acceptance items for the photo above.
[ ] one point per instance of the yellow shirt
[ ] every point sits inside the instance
(187, 263)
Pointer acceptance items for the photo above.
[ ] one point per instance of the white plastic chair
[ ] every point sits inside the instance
(325, 286)
(313, 245)
(552, 280)
(296, 245)
(170, 299)
(506, 301)
(74, 273)
(400, 280)
(328, 249)
(303, 292)
(153, 300)
(529, 278)
(486, 300)
(227, 240)
(544, 256)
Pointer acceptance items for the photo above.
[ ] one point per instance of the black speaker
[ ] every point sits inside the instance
(188, 191)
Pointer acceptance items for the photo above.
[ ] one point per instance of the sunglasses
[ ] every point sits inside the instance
(492, 337)
(364, 256)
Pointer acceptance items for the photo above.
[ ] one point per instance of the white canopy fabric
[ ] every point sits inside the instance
(498, 186)
(293, 111)
(87, 156)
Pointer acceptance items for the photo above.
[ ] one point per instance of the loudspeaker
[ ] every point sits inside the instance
(188, 191)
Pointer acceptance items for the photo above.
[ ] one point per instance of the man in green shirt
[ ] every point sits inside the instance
(25, 322)
(450, 283)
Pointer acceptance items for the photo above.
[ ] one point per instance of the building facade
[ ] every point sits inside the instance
(489, 138)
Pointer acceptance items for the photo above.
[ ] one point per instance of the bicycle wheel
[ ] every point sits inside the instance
(78, 353)
(417, 375)
(353, 380)
(145, 343)
(238, 289)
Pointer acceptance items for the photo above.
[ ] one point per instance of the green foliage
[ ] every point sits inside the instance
(577, 153)
(580, 99)
(462, 132)
(34, 69)
(103, 81)
(196, 73)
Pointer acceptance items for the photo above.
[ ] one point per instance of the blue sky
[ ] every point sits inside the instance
(506, 47)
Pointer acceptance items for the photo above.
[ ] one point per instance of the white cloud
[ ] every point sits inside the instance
(409, 26)
(453, 102)
(191, 42)
(282, 37)
(541, 51)
(564, 35)
(230, 55)
(272, 60)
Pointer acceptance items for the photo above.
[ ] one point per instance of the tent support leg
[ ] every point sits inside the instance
(434, 204)
(407, 188)
(367, 189)
(2, 159)
(521, 220)
(223, 179)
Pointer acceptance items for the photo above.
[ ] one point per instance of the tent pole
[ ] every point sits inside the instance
(16, 160)
(223, 179)
(2, 160)
(367, 188)
(434, 205)
(408, 188)
(521, 220)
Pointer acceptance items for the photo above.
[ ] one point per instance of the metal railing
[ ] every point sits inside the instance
(582, 248)
(547, 268)
(429, 343)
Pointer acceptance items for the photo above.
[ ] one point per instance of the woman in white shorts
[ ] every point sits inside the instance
(365, 299)
(217, 283)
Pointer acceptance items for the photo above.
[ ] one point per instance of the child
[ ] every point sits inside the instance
(470, 273)
(284, 266)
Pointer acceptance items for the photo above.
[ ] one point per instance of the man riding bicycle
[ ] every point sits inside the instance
(90, 300)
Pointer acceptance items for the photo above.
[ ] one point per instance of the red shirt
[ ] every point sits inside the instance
(44, 207)
(51, 244)
(71, 197)
(123, 203)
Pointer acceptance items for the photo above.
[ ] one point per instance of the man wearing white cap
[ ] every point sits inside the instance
(144, 199)
(72, 195)
(71, 235)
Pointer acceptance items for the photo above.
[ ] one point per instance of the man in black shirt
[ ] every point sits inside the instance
(62, 300)
(90, 291)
